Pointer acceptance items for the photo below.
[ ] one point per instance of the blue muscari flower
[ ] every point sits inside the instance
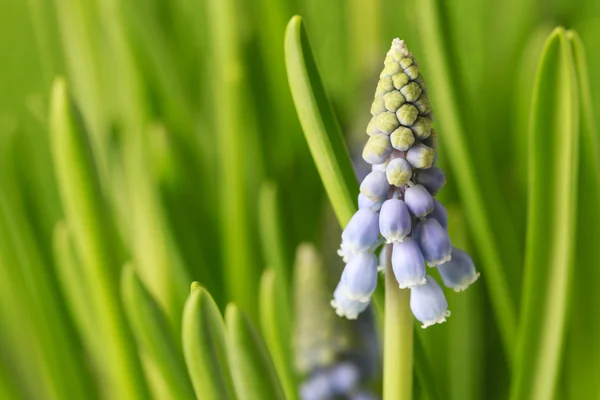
(375, 186)
(433, 241)
(408, 264)
(368, 204)
(402, 148)
(432, 178)
(439, 213)
(344, 378)
(459, 272)
(418, 200)
(360, 277)
(317, 387)
(394, 220)
(428, 303)
(360, 235)
(344, 306)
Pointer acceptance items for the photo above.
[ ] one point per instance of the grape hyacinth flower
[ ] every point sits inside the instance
(397, 204)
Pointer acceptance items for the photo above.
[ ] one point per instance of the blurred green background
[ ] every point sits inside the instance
(203, 174)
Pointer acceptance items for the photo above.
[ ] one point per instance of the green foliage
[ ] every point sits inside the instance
(553, 165)
(171, 152)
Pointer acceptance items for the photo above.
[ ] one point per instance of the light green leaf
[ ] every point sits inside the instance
(553, 164)
(155, 338)
(582, 354)
(276, 327)
(205, 347)
(271, 229)
(94, 242)
(445, 94)
(155, 252)
(320, 126)
(253, 372)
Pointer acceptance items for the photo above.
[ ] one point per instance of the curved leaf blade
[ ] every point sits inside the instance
(154, 335)
(319, 124)
(275, 323)
(205, 347)
(553, 162)
(253, 372)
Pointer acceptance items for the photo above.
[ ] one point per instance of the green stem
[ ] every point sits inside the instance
(398, 339)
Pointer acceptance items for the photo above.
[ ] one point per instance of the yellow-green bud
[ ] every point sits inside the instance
(393, 100)
(411, 92)
(405, 62)
(387, 122)
(397, 55)
(420, 156)
(422, 104)
(399, 80)
(402, 138)
(407, 114)
(412, 72)
(378, 106)
(371, 128)
(377, 149)
(385, 85)
(398, 172)
(421, 82)
(422, 127)
(391, 68)
(432, 140)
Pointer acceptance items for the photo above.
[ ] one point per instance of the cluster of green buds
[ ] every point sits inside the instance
(397, 204)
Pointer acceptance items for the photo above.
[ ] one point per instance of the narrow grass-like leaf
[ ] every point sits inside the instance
(582, 355)
(271, 229)
(276, 328)
(444, 94)
(320, 126)
(155, 337)
(205, 347)
(553, 164)
(237, 142)
(156, 255)
(254, 375)
(75, 285)
(94, 242)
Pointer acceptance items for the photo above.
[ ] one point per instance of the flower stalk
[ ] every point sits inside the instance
(398, 338)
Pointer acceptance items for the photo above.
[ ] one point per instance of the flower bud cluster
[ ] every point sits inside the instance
(397, 204)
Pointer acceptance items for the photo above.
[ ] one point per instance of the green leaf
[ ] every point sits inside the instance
(74, 285)
(553, 163)
(205, 347)
(94, 242)
(445, 94)
(253, 372)
(155, 338)
(156, 254)
(320, 126)
(237, 146)
(275, 323)
(582, 354)
(271, 229)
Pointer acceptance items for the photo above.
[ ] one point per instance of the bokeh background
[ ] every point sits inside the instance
(205, 174)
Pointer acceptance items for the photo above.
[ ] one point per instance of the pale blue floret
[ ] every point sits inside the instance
(459, 272)
(339, 380)
(433, 241)
(432, 178)
(368, 204)
(361, 234)
(375, 186)
(360, 277)
(317, 387)
(428, 303)
(344, 306)
(394, 220)
(398, 172)
(418, 200)
(343, 378)
(439, 213)
(408, 264)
